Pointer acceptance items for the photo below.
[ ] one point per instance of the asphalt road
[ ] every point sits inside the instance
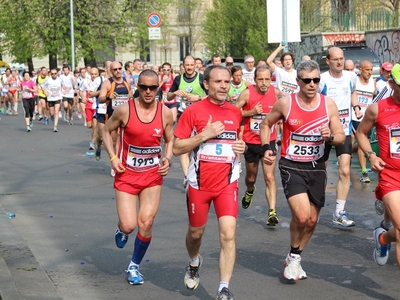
(61, 245)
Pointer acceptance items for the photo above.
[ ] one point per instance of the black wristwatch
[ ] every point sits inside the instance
(368, 154)
(199, 98)
(331, 138)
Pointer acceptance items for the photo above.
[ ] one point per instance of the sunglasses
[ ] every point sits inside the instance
(166, 69)
(117, 69)
(150, 87)
(53, 73)
(308, 80)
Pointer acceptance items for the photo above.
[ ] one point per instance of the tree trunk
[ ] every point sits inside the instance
(29, 62)
(90, 60)
(53, 60)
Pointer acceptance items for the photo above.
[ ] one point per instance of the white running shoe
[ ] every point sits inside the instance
(293, 269)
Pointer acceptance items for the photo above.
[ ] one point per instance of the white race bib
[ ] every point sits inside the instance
(306, 147)
(141, 159)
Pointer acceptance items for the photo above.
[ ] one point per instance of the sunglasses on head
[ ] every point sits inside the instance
(308, 80)
(117, 69)
(150, 87)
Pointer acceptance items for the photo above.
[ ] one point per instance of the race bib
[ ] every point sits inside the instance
(345, 118)
(255, 123)
(121, 99)
(219, 149)
(306, 147)
(141, 159)
(102, 108)
(394, 138)
(55, 92)
(288, 88)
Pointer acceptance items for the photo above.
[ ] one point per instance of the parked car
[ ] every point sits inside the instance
(356, 52)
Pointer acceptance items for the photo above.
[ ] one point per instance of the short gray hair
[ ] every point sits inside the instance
(307, 65)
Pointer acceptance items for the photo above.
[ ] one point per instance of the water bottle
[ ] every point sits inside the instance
(88, 153)
(379, 207)
(10, 215)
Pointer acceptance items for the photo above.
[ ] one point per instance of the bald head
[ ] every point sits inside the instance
(305, 57)
(349, 65)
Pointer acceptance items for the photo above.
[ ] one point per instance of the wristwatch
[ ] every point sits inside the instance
(331, 138)
(199, 98)
(368, 154)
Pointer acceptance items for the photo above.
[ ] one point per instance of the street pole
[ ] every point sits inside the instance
(71, 7)
(284, 23)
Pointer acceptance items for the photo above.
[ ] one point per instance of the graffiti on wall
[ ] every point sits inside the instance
(332, 39)
(385, 44)
(308, 45)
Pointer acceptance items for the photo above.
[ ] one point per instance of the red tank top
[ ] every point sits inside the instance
(140, 143)
(388, 132)
(165, 89)
(251, 133)
(301, 138)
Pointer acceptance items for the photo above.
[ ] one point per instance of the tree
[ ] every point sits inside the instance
(234, 27)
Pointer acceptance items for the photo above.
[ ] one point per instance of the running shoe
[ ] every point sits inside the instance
(272, 218)
(9, 112)
(293, 269)
(98, 154)
(79, 115)
(15, 113)
(192, 277)
(225, 294)
(379, 207)
(55, 129)
(47, 121)
(70, 122)
(381, 253)
(134, 276)
(28, 129)
(40, 117)
(92, 146)
(364, 178)
(246, 200)
(120, 238)
(85, 124)
(2, 111)
(342, 220)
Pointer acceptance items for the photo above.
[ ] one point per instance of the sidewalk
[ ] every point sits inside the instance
(21, 277)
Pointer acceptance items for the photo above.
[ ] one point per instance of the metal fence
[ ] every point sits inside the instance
(353, 21)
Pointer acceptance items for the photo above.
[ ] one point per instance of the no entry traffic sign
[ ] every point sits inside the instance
(154, 20)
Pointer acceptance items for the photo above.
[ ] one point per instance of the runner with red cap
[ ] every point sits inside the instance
(383, 90)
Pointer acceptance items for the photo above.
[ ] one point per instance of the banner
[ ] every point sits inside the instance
(275, 21)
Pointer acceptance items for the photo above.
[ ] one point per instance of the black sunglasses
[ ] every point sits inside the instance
(308, 80)
(116, 69)
(53, 73)
(150, 87)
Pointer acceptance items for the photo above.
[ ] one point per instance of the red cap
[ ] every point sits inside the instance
(387, 66)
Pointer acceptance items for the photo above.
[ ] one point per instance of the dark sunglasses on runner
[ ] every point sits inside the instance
(308, 80)
(150, 87)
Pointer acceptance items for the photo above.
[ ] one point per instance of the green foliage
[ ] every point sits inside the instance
(237, 28)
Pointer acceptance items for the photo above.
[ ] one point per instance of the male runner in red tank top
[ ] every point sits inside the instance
(256, 102)
(139, 165)
(385, 116)
(310, 120)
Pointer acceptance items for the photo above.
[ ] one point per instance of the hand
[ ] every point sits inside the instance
(257, 109)
(325, 132)
(269, 157)
(239, 146)
(213, 129)
(377, 164)
(164, 166)
(117, 165)
(180, 93)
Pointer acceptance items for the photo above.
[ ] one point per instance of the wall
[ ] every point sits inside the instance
(385, 43)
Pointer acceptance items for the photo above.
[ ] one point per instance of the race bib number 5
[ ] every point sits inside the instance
(219, 149)
(141, 159)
